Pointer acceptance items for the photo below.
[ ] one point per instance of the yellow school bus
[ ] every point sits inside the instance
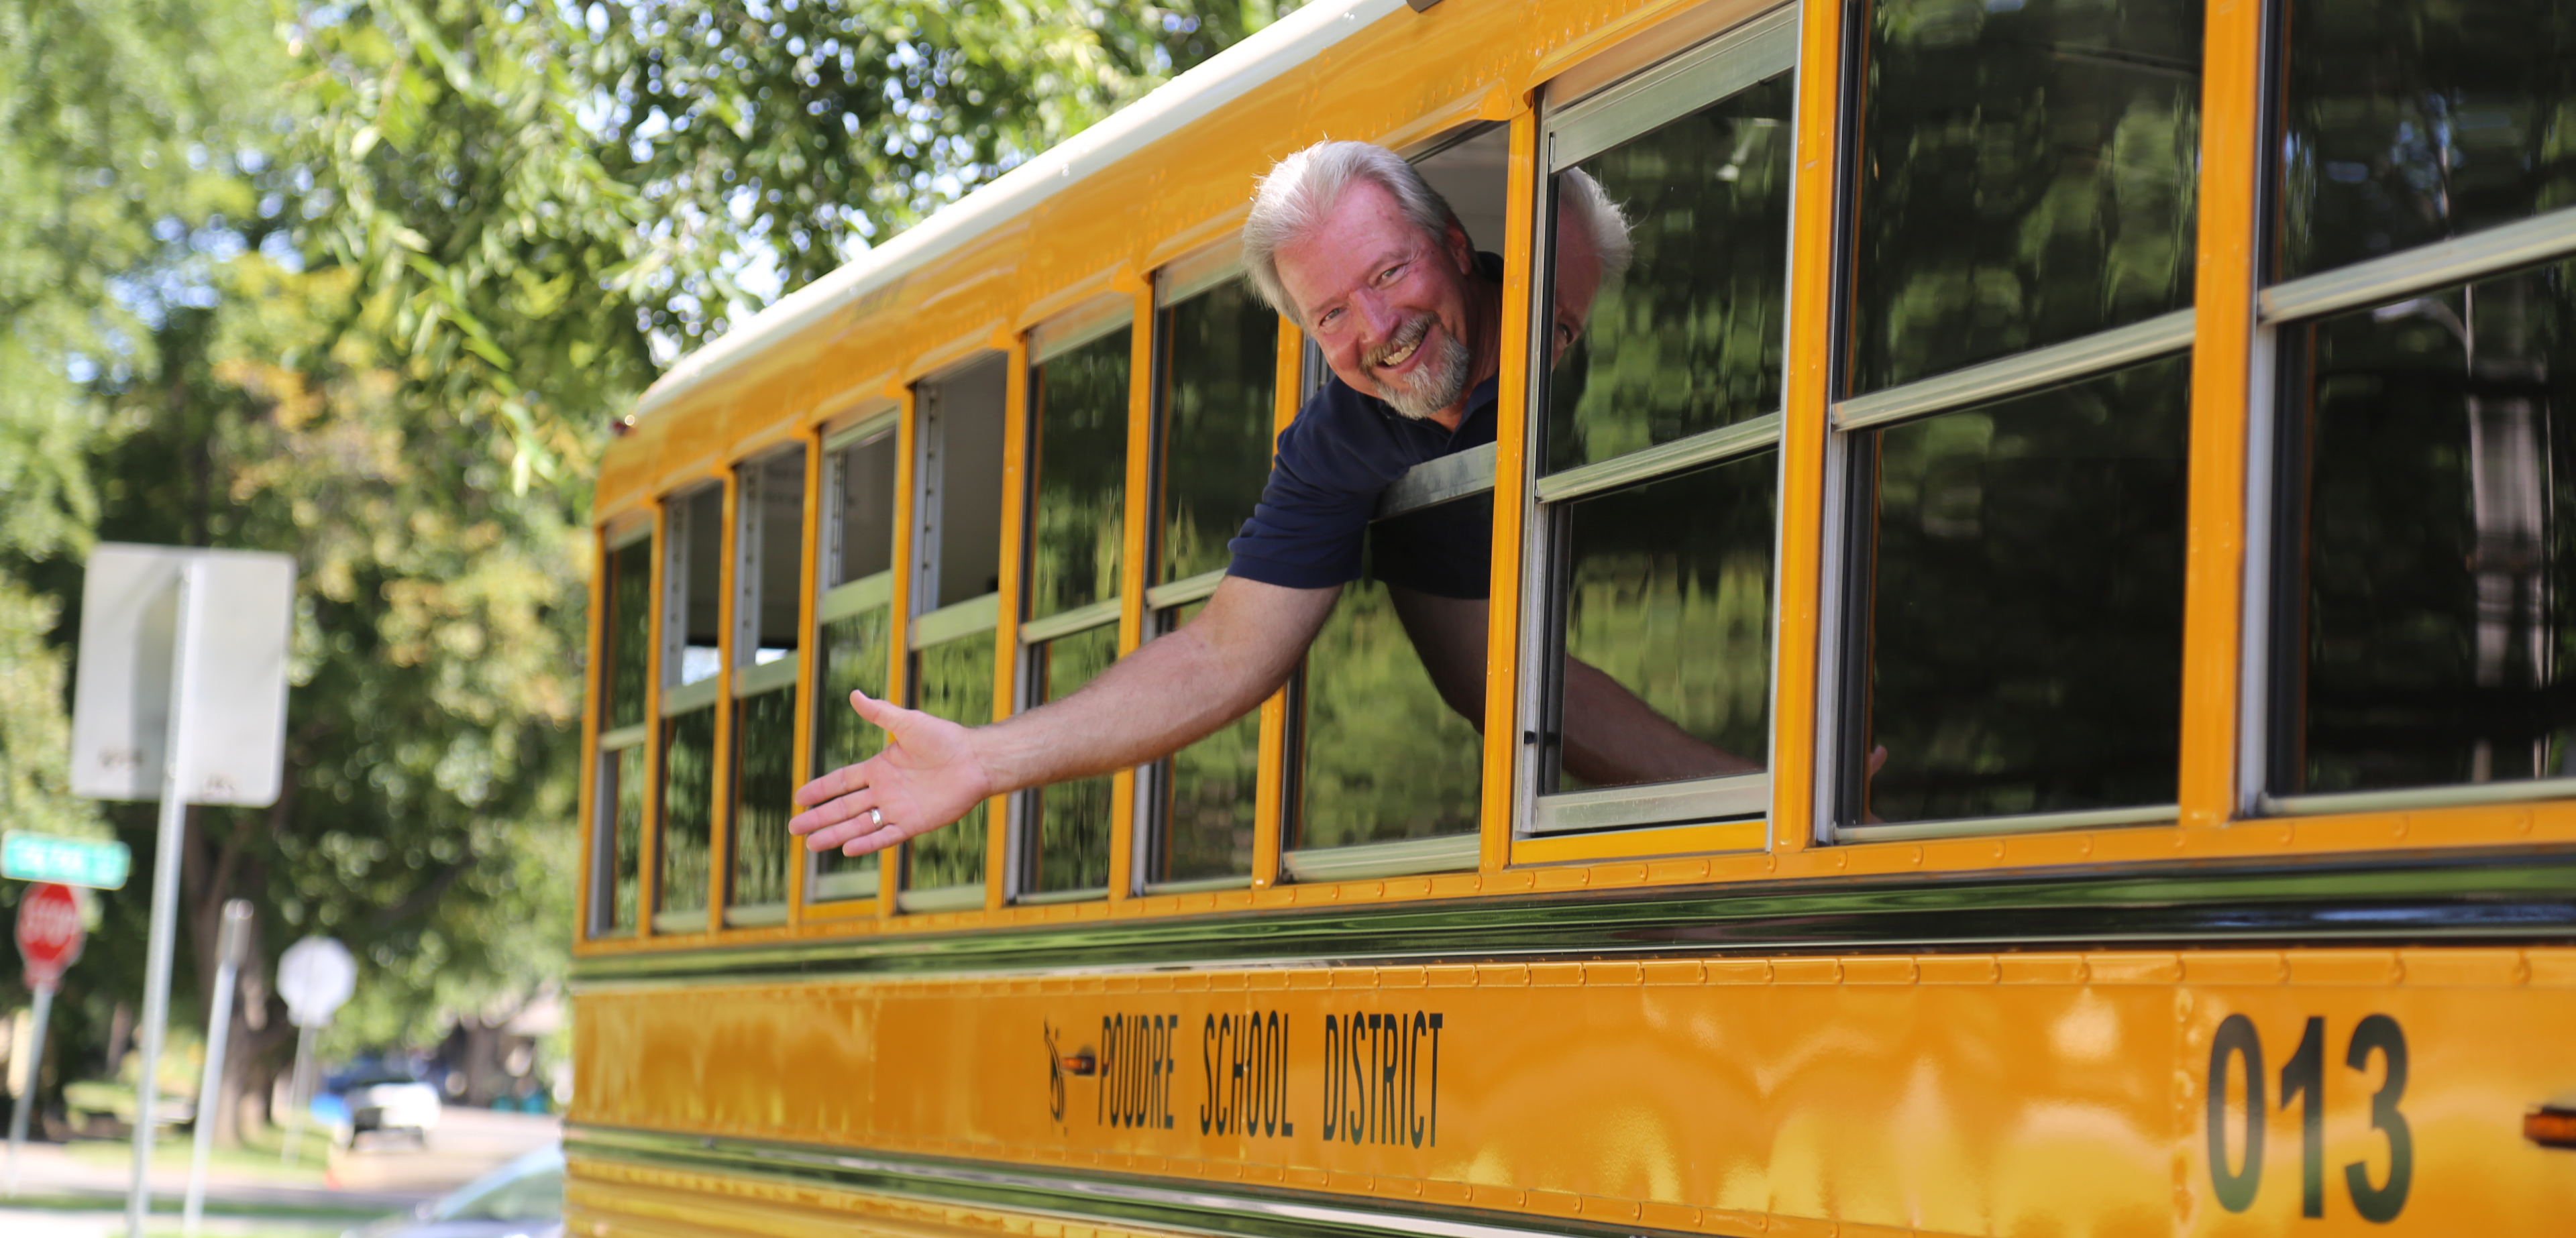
(2098, 465)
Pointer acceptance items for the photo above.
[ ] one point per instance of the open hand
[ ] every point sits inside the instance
(927, 776)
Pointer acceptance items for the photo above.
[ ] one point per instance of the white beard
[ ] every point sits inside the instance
(1439, 384)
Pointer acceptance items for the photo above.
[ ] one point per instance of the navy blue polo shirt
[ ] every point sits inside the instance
(1334, 460)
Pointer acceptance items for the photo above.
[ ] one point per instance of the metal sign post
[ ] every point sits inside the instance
(232, 950)
(50, 937)
(316, 977)
(182, 683)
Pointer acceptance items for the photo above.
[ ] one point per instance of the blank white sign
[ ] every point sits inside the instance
(242, 607)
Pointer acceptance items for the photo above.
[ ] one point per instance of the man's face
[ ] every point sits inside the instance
(1578, 283)
(1390, 307)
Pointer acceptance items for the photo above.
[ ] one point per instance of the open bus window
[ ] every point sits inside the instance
(2406, 123)
(960, 417)
(1387, 764)
(692, 586)
(769, 558)
(2423, 567)
(626, 636)
(2026, 175)
(1668, 253)
(854, 621)
(1218, 404)
(1078, 393)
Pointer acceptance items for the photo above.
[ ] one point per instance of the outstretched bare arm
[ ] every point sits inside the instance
(1155, 701)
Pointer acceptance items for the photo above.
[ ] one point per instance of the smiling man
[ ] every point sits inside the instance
(1345, 239)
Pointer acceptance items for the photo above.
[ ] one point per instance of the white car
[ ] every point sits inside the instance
(390, 1102)
(522, 1199)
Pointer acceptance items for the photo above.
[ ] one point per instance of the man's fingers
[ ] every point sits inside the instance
(825, 822)
(831, 786)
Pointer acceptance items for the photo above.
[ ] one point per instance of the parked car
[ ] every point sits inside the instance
(522, 1199)
(389, 1098)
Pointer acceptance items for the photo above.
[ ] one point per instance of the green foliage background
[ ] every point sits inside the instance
(367, 283)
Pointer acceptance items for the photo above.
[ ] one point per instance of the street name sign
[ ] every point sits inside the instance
(70, 861)
(231, 693)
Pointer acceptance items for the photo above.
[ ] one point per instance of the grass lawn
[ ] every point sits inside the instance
(257, 1158)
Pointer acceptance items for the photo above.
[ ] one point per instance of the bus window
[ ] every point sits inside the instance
(1668, 261)
(692, 581)
(1078, 393)
(2423, 460)
(2013, 442)
(2406, 123)
(1389, 772)
(2426, 461)
(958, 469)
(2023, 647)
(854, 617)
(769, 558)
(2025, 176)
(626, 634)
(961, 477)
(1219, 355)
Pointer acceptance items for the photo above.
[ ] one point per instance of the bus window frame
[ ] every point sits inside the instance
(746, 552)
(1084, 324)
(712, 692)
(2279, 310)
(1177, 281)
(1456, 478)
(832, 599)
(1844, 596)
(599, 824)
(922, 499)
(1726, 814)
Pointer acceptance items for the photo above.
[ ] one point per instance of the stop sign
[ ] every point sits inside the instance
(49, 933)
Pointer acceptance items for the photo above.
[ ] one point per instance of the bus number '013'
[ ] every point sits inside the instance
(1245, 1058)
(1382, 1078)
(2238, 1049)
(1136, 1070)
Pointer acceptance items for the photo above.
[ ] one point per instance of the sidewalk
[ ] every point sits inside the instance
(78, 1191)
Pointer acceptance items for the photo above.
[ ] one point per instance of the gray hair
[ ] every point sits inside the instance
(1583, 202)
(1293, 200)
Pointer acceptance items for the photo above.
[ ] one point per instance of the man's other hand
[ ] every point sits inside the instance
(928, 776)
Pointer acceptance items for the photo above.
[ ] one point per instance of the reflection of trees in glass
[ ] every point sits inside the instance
(1221, 372)
(2026, 177)
(2025, 628)
(688, 807)
(955, 682)
(1078, 441)
(853, 655)
(628, 631)
(1691, 340)
(1212, 787)
(625, 863)
(1669, 593)
(1073, 817)
(764, 738)
(1385, 757)
(2433, 636)
(2407, 123)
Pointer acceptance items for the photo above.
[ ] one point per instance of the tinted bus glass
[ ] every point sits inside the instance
(2026, 176)
(1220, 378)
(2407, 123)
(1078, 442)
(2425, 569)
(2024, 628)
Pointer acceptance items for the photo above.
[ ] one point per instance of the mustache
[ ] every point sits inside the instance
(1404, 339)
